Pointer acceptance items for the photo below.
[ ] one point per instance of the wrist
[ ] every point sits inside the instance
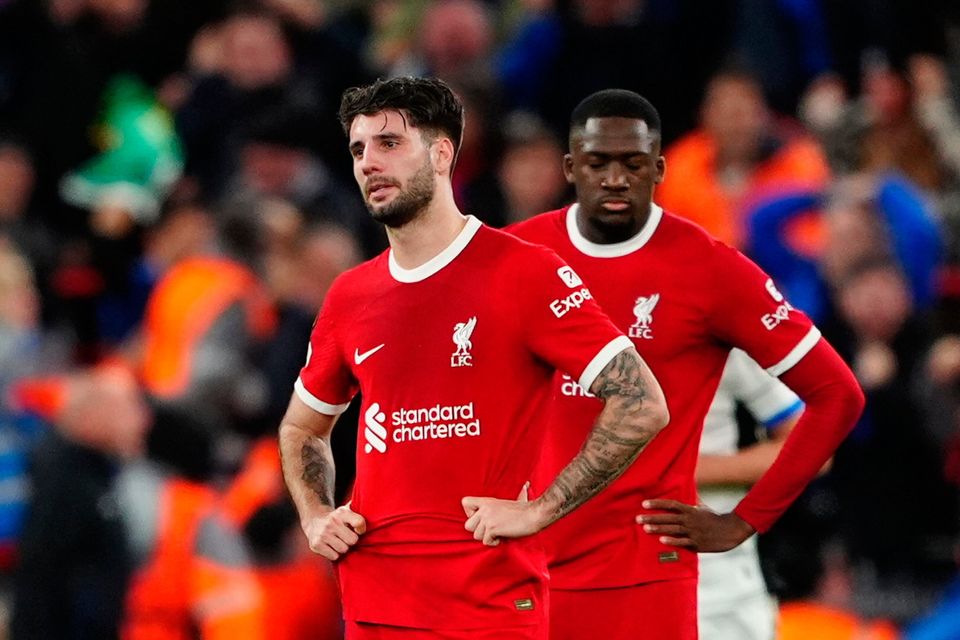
(541, 513)
(313, 513)
(741, 527)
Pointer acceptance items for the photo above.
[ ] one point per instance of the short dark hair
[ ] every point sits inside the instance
(615, 103)
(427, 103)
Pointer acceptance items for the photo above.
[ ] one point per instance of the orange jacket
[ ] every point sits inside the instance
(184, 306)
(193, 584)
(301, 598)
(692, 190)
(808, 620)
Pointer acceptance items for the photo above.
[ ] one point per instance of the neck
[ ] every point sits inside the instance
(430, 232)
(599, 233)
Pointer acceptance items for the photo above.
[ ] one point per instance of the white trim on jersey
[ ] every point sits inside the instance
(317, 404)
(618, 249)
(602, 359)
(439, 261)
(796, 354)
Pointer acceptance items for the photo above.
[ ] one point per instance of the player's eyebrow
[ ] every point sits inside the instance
(357, 145)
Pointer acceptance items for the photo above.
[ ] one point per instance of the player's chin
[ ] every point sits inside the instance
(616, 216)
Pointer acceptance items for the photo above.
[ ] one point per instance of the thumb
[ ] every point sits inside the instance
(470, 505)
(524, 492)
(356, 521)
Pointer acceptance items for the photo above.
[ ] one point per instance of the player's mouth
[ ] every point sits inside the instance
(379, 190)
(615, 204)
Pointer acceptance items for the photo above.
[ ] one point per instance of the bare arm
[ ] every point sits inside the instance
(634, 412)
(746, 465)
(309, 473)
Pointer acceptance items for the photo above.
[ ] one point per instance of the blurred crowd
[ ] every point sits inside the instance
(176, 197)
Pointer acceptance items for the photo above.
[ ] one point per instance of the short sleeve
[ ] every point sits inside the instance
(748, 311)
(563, 324)
(326, 384)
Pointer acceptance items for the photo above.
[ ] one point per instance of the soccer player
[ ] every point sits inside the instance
(732, 598)
(453, 336)
(629, 556)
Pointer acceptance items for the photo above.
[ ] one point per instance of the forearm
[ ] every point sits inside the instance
(744, 467)
(833, 402)
(308, 470)
(634, 412)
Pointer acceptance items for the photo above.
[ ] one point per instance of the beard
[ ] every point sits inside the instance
(410, 201)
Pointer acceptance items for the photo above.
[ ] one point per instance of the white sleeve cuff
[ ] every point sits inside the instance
(602, 359)
(317, 404)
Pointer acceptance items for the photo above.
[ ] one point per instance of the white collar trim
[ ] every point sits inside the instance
(439, 261)
(618, 249)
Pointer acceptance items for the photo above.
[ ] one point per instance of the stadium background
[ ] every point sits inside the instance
(176, 196)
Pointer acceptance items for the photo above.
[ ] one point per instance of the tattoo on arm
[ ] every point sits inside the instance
(317, 470)
(628, 422)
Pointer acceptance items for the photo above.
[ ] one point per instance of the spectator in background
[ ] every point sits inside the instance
(862, 214)
(19, 222)
(528, 177)
(563, 50)
(892, 456)
(120, 546)
(453, 41)
(275, 162)
(738, 155)
(74, 562)
(121, 191)
(823, 607)
(25, 349)
(245, 71)
(206, 323)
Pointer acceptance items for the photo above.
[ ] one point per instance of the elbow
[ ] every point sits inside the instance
(856, 401)
(659, 416)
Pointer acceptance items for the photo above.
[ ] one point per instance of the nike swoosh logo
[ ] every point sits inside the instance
(360, 357)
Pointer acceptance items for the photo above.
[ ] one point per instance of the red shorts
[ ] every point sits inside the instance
(665, 610)
(367, 631)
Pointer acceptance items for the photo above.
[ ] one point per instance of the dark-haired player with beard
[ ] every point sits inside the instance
(625, 565)
(452, 336)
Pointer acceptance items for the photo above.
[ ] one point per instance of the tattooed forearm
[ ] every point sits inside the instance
(306, 458)
(317, 471)
(634, 412)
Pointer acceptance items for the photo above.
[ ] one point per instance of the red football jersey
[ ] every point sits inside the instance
(685, 299)
(455, 361)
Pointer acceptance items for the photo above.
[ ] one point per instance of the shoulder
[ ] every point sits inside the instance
(357, 281)
(540, 227)
(521, 243)
(684, 234)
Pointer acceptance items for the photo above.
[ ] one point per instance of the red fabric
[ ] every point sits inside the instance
(685, 299)
(665, 610)
(45, 397)
(834, 402)
(365, 631)
(437, 426)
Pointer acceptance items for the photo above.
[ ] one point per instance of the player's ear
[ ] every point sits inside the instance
(661, 170)
(442, 152)
(568, 168)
